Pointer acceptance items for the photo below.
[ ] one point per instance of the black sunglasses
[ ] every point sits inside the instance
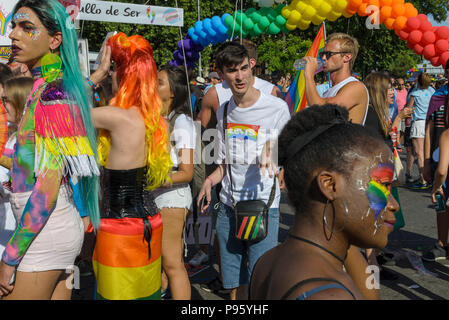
(329, 54)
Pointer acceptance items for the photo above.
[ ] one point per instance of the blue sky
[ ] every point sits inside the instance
(443, 23)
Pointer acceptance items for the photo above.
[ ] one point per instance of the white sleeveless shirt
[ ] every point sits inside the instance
(224, 92)
(333, 91)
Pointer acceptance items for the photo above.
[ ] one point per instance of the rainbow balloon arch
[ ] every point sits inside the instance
(422, 37)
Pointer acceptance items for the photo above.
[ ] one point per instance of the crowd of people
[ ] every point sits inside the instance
(102, 171)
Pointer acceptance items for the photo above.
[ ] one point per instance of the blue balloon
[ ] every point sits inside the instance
(198, 26)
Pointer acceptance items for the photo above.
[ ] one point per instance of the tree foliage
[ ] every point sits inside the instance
(380, 49)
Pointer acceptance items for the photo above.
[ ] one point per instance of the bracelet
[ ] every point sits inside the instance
(93, 86)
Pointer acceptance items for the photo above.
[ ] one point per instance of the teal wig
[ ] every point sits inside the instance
(54, 17)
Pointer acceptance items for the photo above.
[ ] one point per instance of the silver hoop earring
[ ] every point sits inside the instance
(325, 220)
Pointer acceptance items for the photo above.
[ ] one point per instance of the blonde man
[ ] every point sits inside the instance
(339, 54)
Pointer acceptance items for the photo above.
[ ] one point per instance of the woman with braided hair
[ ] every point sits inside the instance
(134, 153)
(340, 191)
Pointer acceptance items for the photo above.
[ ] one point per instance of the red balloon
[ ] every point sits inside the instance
(426, 26)
(404, 35)
(428, 37)
(429, 51)
(441, 46)
(415, 36)
(413, 23)
(442, 32)
(418, 49)
(435, 61)
(443, 58)
(422, 17)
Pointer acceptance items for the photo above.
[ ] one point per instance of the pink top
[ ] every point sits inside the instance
(401, 98)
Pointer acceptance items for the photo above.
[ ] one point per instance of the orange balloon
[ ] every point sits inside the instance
(385, 13)
(351, 12)
(384, 3)
(362, 10)
(389, 23)
(354, 4)
(400, 23)
(410, 10)
(373, 3)
(398, 10)
(394, 2)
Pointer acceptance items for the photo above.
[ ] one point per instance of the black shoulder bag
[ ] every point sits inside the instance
(251, 216)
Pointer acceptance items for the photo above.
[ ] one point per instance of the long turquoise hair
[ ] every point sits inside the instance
(54, 17)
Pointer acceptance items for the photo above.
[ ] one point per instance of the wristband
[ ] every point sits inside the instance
(93, 86)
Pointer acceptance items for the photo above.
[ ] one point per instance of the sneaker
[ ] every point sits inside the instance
(436, 253)
(215, 286)
(420, 186)
(199, 258)
(386, 259)
(409, 179)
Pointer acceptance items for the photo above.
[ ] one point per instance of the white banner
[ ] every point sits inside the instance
(130, 13)
(104, 11)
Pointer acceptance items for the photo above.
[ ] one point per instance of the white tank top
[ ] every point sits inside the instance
(332, 92)
(224, 92)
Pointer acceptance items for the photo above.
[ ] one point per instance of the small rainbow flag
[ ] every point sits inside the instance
(121, 263)
(296, 97)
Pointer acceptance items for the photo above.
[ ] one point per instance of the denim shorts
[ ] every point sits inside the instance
(238, 257)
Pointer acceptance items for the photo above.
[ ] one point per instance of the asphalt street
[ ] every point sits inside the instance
(417, 280)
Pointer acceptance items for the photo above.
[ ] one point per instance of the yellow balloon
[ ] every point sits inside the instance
(309, 13)
(340, 5)
(286, 12)
(317, 20)
(290, 27)
(332, 16)
(332, 3)
(324, 9)
(295, 16)
(303, 24)
(301, 6)
(316, 3)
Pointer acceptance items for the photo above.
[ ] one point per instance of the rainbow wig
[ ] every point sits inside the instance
(54, 17)
(136, 69)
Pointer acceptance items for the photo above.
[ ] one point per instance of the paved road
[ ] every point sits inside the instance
(419, 233)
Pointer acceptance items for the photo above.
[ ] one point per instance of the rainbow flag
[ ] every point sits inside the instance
(296, 97)
(121, 263)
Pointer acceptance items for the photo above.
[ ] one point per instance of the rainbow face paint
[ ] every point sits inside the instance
(378, 187)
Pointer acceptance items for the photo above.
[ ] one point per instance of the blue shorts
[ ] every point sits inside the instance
(237, 257)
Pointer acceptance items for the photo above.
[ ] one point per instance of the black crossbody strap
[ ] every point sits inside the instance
(225, 127)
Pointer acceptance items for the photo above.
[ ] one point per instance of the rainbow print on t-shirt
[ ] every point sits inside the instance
(242, 131)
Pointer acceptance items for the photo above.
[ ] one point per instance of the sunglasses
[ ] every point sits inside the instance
(329, 54)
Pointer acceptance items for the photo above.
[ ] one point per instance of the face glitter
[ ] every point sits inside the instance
(20, 16)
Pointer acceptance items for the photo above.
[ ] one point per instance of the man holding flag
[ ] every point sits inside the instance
(339, 54)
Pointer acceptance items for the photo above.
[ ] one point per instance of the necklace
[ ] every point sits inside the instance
(318, 246)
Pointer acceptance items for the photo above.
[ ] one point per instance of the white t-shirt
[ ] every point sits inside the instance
(248, 131)
(7, 220)
(183, 136)
(224, 93)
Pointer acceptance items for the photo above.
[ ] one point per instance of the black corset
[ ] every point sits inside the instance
(124, 195)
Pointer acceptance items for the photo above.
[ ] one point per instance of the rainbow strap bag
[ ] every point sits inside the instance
(251, 216)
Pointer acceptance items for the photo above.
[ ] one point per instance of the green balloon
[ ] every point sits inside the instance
(248, 24)
(250, 11)
(256, 17)
(229, 21)
(280, 20)
(257, 31)
(284, 29)
(264, 11)
(271, 15)
(273, 29)
(264, 23)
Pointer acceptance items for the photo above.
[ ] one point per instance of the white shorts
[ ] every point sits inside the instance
(176, 197)
(61, 239)
(418, 129)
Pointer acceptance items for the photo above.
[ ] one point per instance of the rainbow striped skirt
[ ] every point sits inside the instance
(121, 262)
